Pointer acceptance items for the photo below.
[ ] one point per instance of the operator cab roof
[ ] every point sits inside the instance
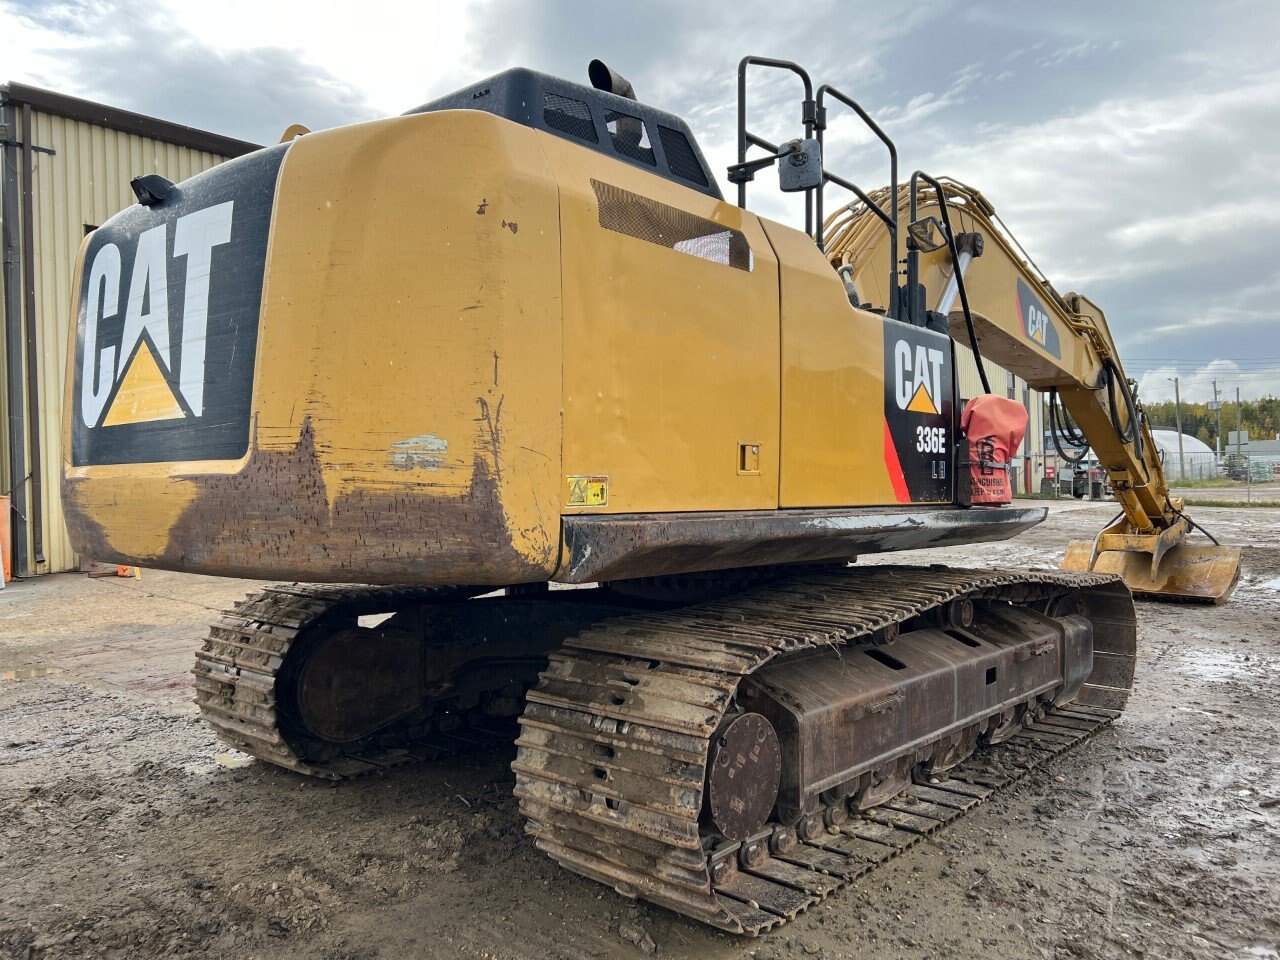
(600, 121)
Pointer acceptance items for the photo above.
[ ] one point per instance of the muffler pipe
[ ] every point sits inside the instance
(603, 77)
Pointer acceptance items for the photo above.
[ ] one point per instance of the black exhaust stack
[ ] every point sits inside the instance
(605, 78)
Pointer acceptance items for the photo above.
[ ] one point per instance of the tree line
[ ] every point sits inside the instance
(1259, 418)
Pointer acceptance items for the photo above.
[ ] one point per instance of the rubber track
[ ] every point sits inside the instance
(237, 667)
(614, 739)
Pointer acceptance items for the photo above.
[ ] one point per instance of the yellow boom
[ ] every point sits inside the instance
(1061, 345)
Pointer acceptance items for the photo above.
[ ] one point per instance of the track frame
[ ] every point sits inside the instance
(615, 739)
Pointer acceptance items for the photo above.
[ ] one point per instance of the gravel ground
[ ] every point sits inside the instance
(126, 830)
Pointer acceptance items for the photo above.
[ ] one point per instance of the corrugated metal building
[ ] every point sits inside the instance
(67, 164)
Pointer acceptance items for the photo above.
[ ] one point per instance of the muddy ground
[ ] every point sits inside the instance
(126, 830)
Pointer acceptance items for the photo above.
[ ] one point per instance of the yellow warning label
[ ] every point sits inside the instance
(921, 402)
(144, 393)
(588, 491)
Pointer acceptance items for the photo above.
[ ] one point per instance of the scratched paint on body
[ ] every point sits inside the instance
(426, 452)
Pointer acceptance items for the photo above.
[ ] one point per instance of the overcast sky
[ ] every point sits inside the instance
(1132, 147)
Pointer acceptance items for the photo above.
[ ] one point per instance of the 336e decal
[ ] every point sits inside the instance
(931, 439)
(918, 412)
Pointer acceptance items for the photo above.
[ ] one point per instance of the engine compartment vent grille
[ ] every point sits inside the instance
(569, 116)
(637, 216)
(630, 138)
(680, 156)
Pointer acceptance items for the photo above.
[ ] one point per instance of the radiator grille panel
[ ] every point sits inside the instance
(569, 116)
(625, 212)
(680, 156)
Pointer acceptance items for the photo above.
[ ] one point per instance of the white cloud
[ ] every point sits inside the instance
(1134, 157)
(398, 54)
(1127, 173)
(1196, 384)
(144, 58)
(1230, 217)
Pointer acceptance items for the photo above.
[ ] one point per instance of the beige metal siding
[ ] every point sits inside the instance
(84, 182)
(5, 482)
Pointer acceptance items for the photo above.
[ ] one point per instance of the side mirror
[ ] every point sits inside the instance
(801, 169)
(928, 233)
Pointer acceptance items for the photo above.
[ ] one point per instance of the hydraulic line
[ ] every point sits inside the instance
(1133, 432)
(1191, 522)
(1061, 429)
(959, 273)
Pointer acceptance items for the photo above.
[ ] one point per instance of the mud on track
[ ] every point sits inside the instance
(127, 831)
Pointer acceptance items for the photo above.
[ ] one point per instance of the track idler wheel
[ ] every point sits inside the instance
(743, 775)
(357, 681)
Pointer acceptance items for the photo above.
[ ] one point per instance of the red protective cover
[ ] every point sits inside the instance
(994, 427)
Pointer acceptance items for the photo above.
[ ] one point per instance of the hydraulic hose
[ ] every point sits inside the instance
(1191, 522)
(1133, 432)
(1061, 429)
(955, 265)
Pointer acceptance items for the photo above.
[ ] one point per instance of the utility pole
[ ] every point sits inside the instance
(1218, 408)
(1237, 421)
(1177, 408)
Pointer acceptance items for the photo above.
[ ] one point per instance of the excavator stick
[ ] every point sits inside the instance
(1160, 565)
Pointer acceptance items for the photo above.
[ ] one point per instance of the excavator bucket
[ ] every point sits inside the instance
(1183, 572)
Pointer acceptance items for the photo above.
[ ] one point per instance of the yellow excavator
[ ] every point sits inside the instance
(439, 367)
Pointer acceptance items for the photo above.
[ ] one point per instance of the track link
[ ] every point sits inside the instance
(615, 738)
(237, 667)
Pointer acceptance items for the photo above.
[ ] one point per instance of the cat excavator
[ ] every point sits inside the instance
(539, 426)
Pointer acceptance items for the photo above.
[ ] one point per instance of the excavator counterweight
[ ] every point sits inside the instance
(437, 368)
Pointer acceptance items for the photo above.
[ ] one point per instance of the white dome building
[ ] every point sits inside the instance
(1198, 459)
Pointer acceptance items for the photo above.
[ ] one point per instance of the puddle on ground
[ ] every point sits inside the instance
(33, 672)
(1211, 666)
(230, 760)
(233, 759)
(1186, 709)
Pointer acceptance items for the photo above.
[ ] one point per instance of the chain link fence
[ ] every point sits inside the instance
(1204, 476)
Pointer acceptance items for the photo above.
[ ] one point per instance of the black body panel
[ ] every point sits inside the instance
(625, 546)
(181, 320)
(592, 118)
(920, 410)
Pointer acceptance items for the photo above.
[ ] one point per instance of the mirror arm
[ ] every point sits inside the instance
(746, 171)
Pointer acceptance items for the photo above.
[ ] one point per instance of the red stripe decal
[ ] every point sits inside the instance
(894, 466)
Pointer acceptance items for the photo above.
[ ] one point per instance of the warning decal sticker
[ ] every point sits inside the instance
(588, 491)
